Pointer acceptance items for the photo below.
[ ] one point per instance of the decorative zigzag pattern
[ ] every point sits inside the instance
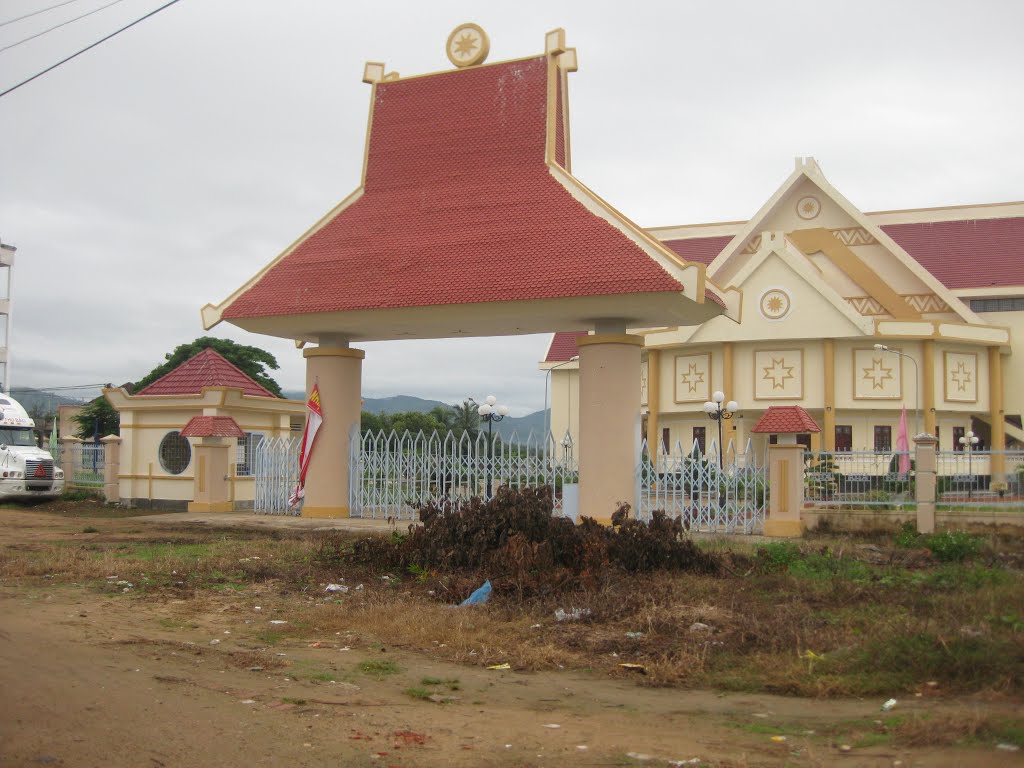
(922, 303)
(753, 245)
(854, 236)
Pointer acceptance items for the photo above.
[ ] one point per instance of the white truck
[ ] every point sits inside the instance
(26, 471)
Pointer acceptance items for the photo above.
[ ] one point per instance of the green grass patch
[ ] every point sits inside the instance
(419, 693)
(378, 668)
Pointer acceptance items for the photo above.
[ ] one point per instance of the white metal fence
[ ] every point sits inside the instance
(391, 475)
(83, 464)
(707, 492)
(967, 479)
(275, 463)
(858, 479)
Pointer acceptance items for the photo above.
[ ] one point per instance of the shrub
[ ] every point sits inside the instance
(953, 546)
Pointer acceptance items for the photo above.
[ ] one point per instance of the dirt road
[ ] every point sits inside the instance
(94, 679)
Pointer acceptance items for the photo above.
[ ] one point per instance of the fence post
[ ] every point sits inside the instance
(111, 468)
(924, 481)
(786, 484)
(67, 458)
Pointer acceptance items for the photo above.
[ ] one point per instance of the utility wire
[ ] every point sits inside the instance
(57, 389)
(36, 13)
(101, 40)
(58, 26)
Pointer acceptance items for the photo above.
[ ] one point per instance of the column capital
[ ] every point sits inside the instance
(359, 354)
(610, 338)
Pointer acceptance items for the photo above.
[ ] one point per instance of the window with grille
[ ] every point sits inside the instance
(883, 439)
(844, 437)
(1008, 304)
(700, 438)
(245, 453)
(174, 453)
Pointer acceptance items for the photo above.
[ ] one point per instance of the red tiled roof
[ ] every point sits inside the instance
(207, 369)
(563, 346)
(975, 253)
(785, 420)
(700, 249)
(212, 426)
(456, 192)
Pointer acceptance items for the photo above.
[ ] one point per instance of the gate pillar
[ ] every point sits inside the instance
(338, 371)
(609, 447)
(786, 482)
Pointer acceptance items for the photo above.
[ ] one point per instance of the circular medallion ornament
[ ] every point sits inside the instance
(468, 45)
(775, 304)
(808, 207)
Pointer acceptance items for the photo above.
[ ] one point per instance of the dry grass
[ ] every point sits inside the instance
(833, 626)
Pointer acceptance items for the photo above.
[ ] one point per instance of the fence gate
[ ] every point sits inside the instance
(275, 465)
(727, 494)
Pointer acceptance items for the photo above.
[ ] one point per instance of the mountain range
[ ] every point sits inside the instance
(408, 403)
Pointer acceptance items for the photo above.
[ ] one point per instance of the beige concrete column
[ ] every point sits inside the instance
(828, 420)
(111, 468)
(997, 418)
(338, 370)
(653, 402)
(67, 457)
(928, 385)
(925, 464)
(609, 422)
(210, 484)
(786, 484)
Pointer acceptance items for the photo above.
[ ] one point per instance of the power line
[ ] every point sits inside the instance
(58, 26)
(89, 47)
(57, 389)
(36, 13)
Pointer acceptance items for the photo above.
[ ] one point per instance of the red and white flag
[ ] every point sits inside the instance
(314, 419)
(903, 444)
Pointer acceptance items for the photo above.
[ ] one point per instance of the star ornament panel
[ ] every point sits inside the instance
(779, 374)
(877, 375)
(961, 377)
(693, 378)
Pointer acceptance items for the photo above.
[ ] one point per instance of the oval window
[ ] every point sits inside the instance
(175, 453)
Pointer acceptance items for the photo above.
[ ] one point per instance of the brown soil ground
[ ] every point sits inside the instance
(93, 679)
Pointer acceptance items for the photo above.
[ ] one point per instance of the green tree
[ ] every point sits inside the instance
(98, 418)
(252, 361)
(466, 419)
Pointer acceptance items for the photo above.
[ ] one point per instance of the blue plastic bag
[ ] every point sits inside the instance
(479, 596)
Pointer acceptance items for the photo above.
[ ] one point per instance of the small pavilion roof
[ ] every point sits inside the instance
(207, 369)
(212, 426)
(785, 420)
(467, 212)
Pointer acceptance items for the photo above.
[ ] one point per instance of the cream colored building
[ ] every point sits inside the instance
(157, 464)
(822, 283)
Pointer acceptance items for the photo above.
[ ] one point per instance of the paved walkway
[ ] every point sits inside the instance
(252, 520)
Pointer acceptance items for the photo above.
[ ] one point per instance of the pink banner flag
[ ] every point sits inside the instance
(903, 444)
(314, 419)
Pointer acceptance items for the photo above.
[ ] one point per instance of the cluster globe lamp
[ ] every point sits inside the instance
(718, 410)
(491, 412)
(969, 444)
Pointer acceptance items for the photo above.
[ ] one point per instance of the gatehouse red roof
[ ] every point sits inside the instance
(785, 420)
(563, 346)
(459, 206)
(212, 426)
(207, 369)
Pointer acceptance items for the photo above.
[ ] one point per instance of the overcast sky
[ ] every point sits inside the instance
(162, 169)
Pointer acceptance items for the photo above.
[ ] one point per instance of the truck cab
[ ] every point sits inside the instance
(26, 471)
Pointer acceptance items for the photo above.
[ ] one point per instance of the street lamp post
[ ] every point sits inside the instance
(490, 412)
(718, 412)
(917, 390)
(969, 441)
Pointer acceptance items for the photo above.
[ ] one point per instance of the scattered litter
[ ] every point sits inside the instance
(346, 648)
(127, 589)
(257, 608)
(634, 667)
(227, 631)
(247, 701)
(698, 626)
(581, 747)
(359, 588)
(123, 583)
(760, 714)
(535, 626)
(439, 698)
(501, 666)
(480, 596)
(779, 739)
(889, 705)
(573, 614)
(336, 588)
(277, 621)
(845, 748)
(552, 726)
(255, 669)
(639, 756)
(691, 761)
(214, 641)
(508, 746)
(1007, 747)
(634, 635)
(317, 644)
(280, 654)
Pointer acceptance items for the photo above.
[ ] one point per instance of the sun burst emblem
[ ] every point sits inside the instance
(775, 304)
(467, 46)
(808, 207)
